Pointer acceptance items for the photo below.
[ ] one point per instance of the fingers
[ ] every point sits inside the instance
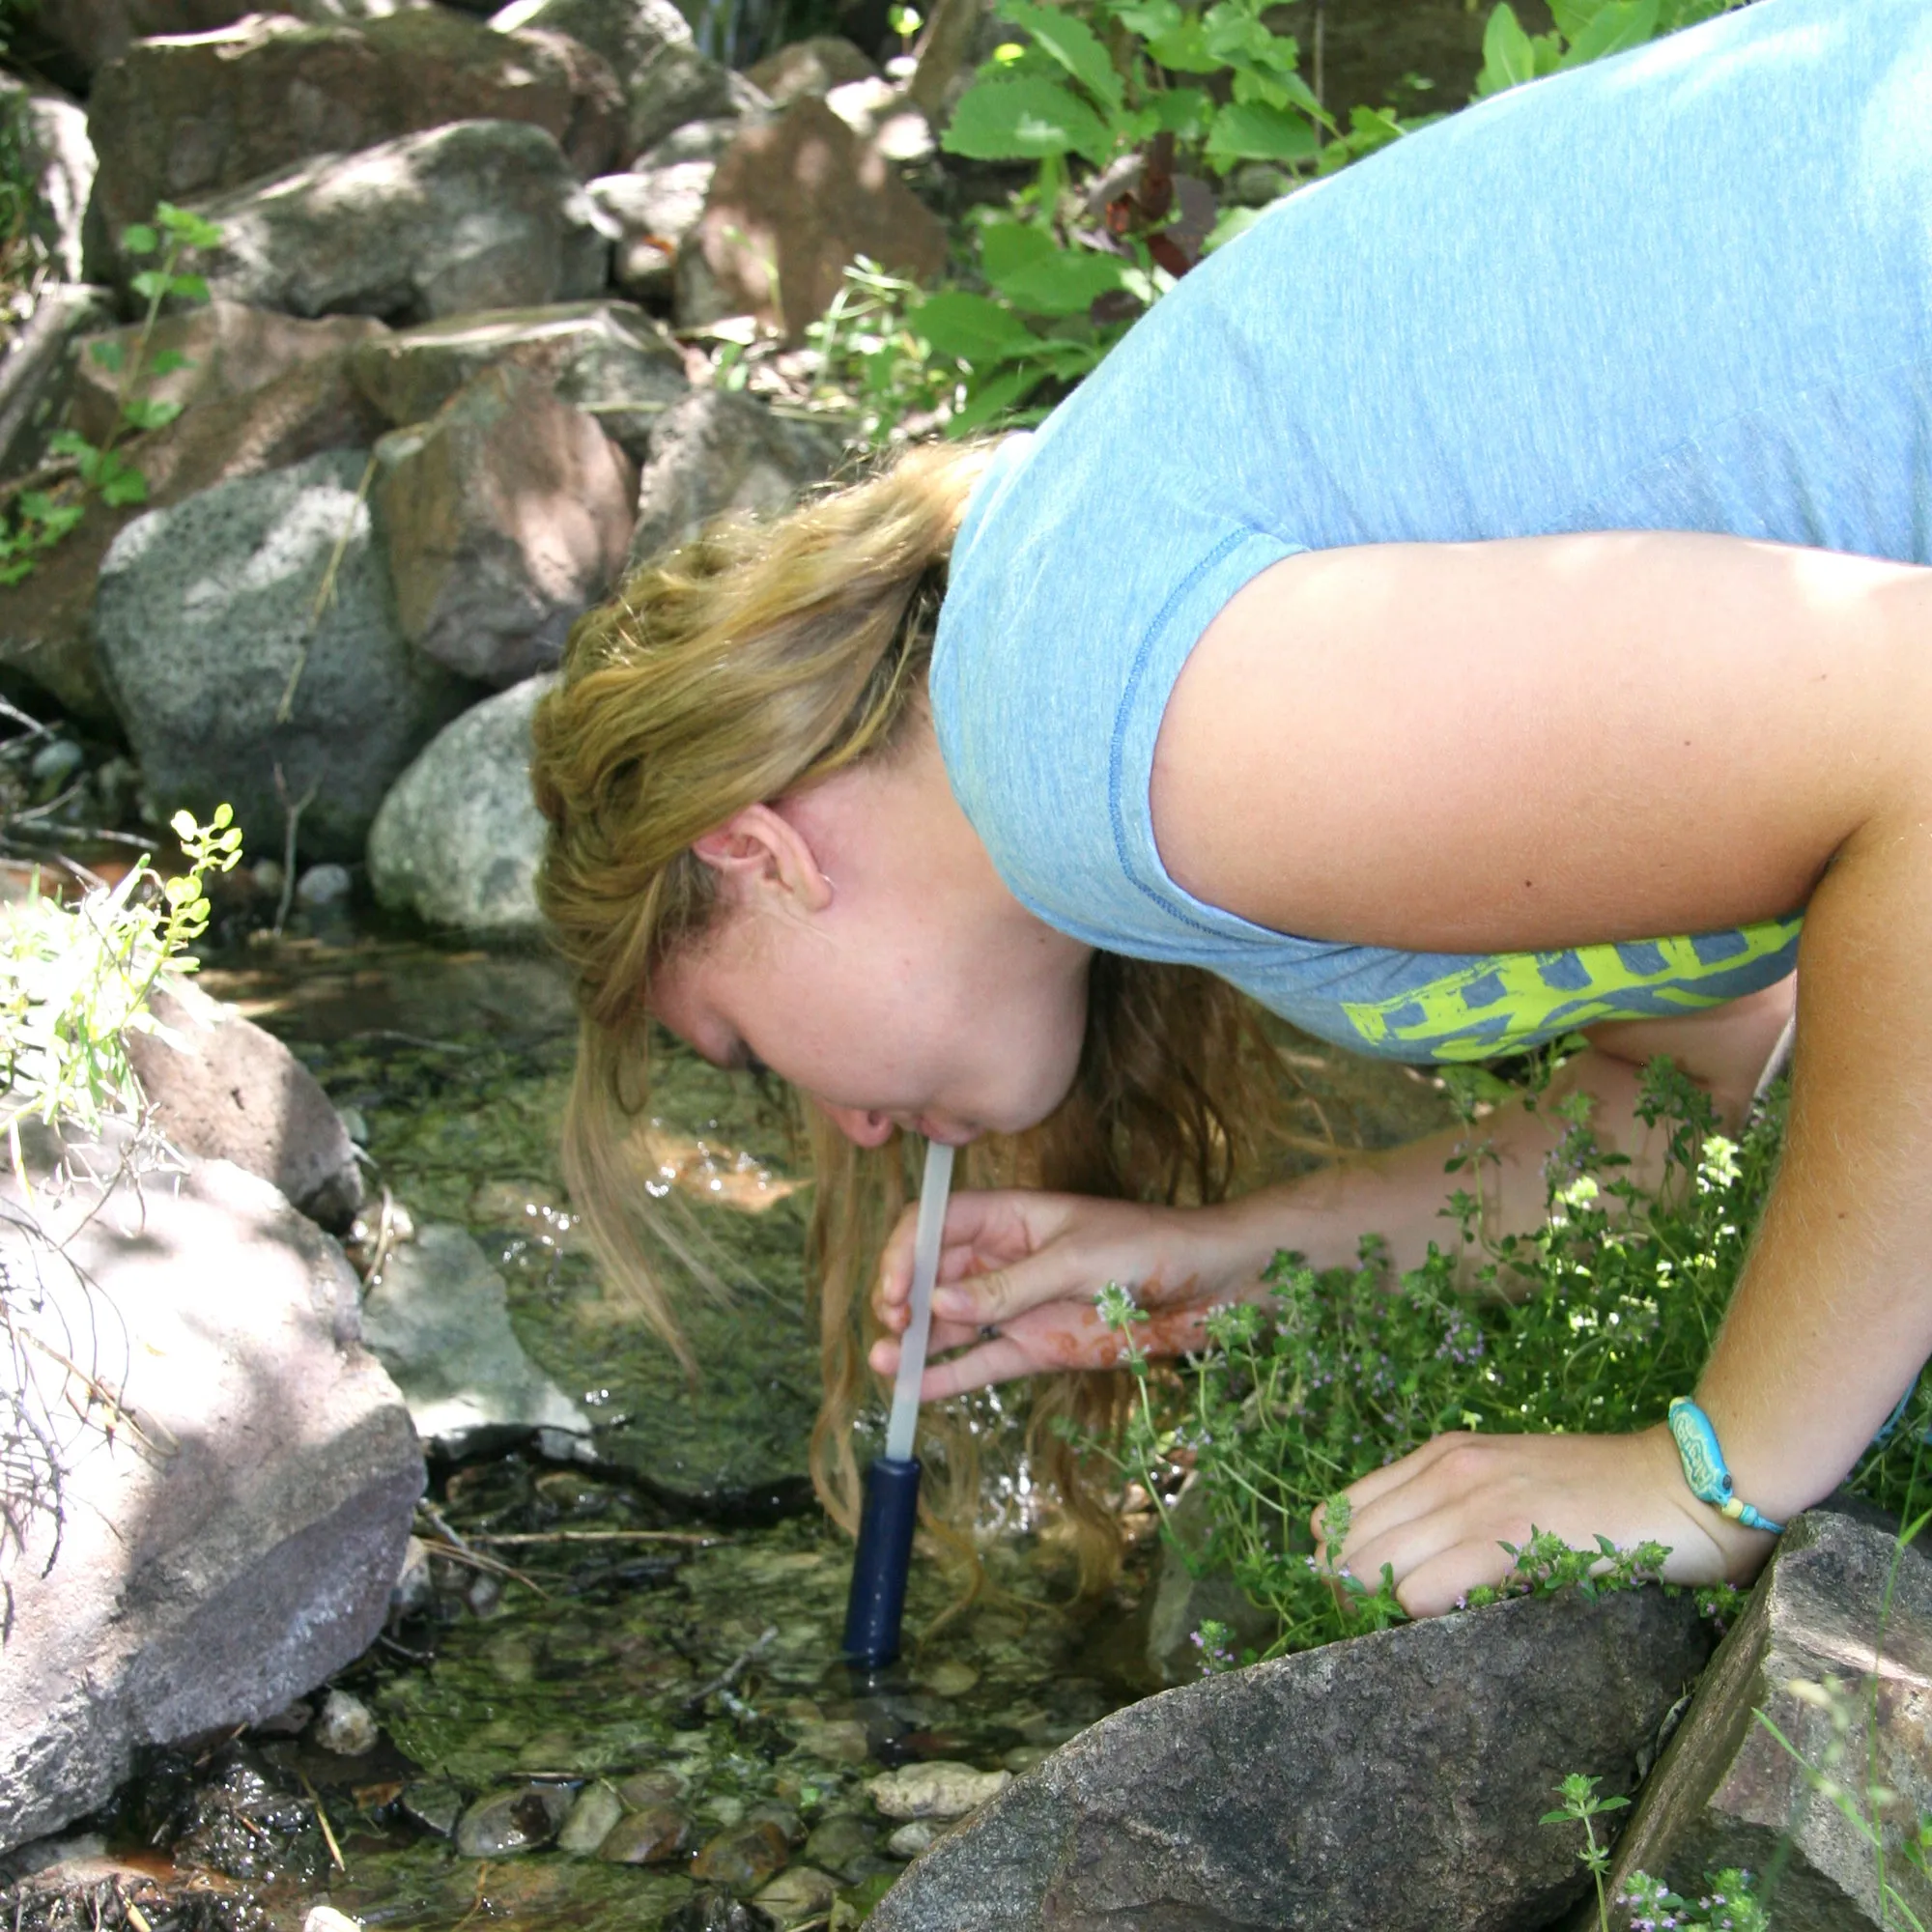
(883, 1356)
(999, 1360)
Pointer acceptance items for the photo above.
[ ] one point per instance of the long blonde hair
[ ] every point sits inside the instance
(750, 663)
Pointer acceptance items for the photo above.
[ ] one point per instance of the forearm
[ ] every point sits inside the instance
(1833, 1316)
(1402, 1194)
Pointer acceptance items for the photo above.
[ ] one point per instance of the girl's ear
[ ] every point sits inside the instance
(758, 849)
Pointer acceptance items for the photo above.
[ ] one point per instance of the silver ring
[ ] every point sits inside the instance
(989, 1331)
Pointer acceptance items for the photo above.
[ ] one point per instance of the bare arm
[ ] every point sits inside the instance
(1534, 744)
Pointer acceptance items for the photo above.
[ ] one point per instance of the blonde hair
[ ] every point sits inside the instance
(749, 664)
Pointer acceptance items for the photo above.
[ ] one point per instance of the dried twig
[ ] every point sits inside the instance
(322, 1819)
(693, 1538)
(474, 1559)
(736, 1669)
(290, 820)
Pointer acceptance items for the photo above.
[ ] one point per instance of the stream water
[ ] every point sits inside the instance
(654, 1632)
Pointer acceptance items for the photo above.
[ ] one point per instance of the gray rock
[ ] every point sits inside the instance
(880, 114)
(60, 159)
(39, 366)
(433, 1806)
(666, 81)
(651, 209)
(720, 452)
(506, 517)
(346, 1727)
(439, 1321)
(1725, 1793)
(233, 1541)
(597, 1808)
(505, 1823)
(1184, 1600)
(935, 1789)
(222, 1089)
(326, 1919)
(814, 66)
(186, 116)
(203, 618)
(91, 33)
(606, 359)
(1387, 1785)
(477, 214)
(459, 836)
(324, 886)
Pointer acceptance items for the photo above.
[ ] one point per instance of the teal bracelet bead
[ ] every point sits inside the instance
(1705, 1469)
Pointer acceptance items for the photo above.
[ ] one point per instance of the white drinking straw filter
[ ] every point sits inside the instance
(932, 1193)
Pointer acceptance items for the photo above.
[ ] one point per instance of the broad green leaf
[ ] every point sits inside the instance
(1183, 111)
(122, 483)
(1073, 42)
(1233, 221)
(1571, 16)
(70, 443)
(151, 285)
(1250, 131)
(109, 354)
(1509, 54)
(1149, 18)
(1005, 391)
(189, 229)
(972, 329)
(1026, 119)
(150, 412)
(189, 288)
(167, 360)
(1035, 273)
(1617, 25)
(1184, 50)
(139, 239)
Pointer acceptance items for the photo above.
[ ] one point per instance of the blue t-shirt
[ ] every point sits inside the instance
(1683, 289)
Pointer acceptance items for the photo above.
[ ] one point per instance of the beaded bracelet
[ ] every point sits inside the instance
(1704, 1467)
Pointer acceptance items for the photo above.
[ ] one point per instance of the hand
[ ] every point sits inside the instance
(1026, 1266)
(1438, 1516)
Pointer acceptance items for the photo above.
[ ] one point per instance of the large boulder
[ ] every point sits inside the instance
(230, 350)
(792, 204)
(720, 452)
(39, 366)
(440, 1320)
(477, 214)
(222, 1089)
(1388, 1784)
(656, 203)
(459, 836)
(192, 115)
(506, 516)
(238, 679)
(46, 619)
(814, 66)
(1841, 1605)
(666, 81)
(77, 37)
(217, 1511)
(60, 158)
(604, 358)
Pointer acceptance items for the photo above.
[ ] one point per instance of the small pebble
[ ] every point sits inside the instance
(650, 1787)
(435, 1805)
(743, 1858)
(648, 1838)
(56, 761)
(345, 1726)
(507, 1822)
(782, 1816)
(837, 1841)
(597, 1808)
(324, 886)
(267, 876)
(1023, 1757)
(913, 1838)
(949, 1677)
(484, 1593)
(326, 1919)
(936, 1790)
(837, 1740)
(355, 1123)
(797, 1894)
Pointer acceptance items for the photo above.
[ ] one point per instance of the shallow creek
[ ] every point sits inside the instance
(657, 1627)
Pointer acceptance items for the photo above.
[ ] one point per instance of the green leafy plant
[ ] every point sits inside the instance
(41, 516)
(1730, 1904)
(1591, 1322)
(75, 981)
(1583, 31)
(1582, 1806)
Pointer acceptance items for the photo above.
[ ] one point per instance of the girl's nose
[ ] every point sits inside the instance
(868, 1128)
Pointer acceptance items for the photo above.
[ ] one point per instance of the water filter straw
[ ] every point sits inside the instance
(884, 1558)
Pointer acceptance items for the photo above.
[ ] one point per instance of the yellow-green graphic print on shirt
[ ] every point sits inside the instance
(1509, 1000)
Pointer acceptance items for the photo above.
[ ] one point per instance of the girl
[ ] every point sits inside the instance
(1487, 601)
